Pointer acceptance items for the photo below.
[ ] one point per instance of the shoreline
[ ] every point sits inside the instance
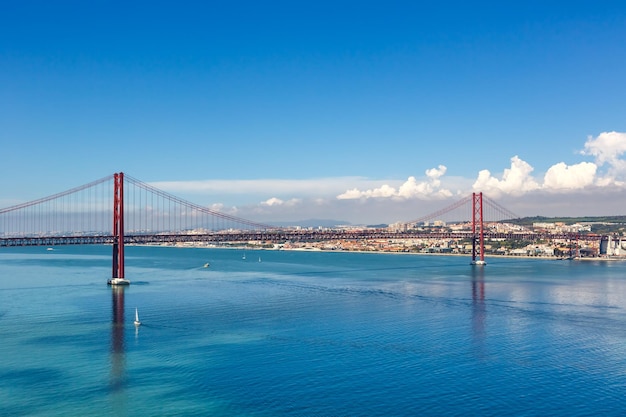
(278, 249)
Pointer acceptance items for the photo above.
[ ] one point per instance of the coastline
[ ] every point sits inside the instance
(382, 252)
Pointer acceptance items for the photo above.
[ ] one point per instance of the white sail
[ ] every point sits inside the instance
(137, 322)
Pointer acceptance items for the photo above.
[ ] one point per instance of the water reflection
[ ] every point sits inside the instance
(479, 311)
(118, 360)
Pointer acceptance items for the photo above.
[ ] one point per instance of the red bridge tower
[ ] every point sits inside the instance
(117, 277)
(477, 222)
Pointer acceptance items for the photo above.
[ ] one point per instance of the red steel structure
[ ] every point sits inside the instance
(81, 216)
(118, 225)
(477, 222)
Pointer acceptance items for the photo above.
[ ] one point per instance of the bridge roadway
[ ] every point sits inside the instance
(275, 236)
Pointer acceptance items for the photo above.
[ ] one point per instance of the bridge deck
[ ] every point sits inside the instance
(275, 237)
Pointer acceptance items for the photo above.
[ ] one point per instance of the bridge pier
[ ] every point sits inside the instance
(117, 276)
(478, 254)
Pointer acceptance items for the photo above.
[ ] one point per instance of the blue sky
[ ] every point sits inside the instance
(361, 111)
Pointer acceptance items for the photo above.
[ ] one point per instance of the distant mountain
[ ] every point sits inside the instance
(570, 220)
(378, 226)
(312, 223)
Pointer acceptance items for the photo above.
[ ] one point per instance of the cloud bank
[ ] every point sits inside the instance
(587, 185)
(411, 188)
(606, 149)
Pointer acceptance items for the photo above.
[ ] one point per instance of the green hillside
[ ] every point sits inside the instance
(600, 224)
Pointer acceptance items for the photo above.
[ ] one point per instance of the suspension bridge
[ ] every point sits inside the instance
(119, 209)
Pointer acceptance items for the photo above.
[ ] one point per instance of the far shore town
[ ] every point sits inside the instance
(543, 239)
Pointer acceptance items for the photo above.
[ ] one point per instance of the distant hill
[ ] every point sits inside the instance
(315, 223)
(528, 221)
(599, 224)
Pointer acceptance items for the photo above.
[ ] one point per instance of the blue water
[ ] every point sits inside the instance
(308, 334)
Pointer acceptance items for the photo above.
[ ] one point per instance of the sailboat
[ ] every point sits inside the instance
(137, 322)
(244, 256)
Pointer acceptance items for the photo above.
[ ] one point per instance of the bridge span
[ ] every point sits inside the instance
(143, 214)
(279, 236)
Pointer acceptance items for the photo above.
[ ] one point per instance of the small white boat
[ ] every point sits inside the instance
(118, 281)
(50, 249)
(137, 322)
(259, 259)
(206, 265)
(244, 256)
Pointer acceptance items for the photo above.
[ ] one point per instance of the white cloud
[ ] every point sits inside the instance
(381, 192)
(278, 202)
(436, 173)
(217, 207)
(607, 148)
(516, 180)
(411, 188)
(572, 177)
(273, 202)
(352, 194)
(414, 189)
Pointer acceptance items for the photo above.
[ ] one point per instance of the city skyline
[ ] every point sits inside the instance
(350, 111)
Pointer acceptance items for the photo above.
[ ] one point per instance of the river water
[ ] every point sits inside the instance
(288, 333)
